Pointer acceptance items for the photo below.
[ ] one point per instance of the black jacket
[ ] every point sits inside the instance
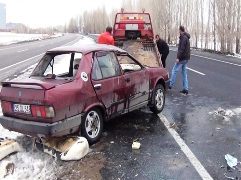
(184, 47)
(162, 46)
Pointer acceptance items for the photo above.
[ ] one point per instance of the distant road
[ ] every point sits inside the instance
(14, 58)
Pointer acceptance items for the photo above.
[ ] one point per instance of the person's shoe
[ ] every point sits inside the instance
(185, 92)
(170, 88)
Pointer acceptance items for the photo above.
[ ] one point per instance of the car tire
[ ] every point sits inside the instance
(92, 125)
(158, 99)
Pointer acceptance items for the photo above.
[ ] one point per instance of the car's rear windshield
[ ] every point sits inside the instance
(61, 65)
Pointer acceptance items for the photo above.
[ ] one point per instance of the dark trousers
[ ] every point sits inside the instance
(163, 58)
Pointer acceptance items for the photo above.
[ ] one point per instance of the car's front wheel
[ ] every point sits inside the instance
(158, 99)
(92, 125)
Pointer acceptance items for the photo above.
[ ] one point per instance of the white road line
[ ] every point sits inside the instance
(192, 158)
(32, 57)
(20, 62)
(34, 42)
(217, 60)
(22, 50)
(195, 71)
(213, 59)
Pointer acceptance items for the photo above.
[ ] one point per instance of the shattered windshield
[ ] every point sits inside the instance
(60, 65)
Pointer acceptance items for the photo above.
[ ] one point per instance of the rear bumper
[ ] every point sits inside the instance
(38, 129)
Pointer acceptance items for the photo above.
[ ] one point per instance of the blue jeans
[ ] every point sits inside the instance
(176, 67)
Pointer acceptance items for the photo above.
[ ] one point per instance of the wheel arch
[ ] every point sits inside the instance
(160, 81)
(99, 106)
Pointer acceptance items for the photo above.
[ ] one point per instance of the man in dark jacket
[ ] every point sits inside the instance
(163, 49)
(183, 55)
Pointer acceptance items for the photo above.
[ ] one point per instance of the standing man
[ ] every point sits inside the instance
(163, 49)
(183, 55)
(106, 37)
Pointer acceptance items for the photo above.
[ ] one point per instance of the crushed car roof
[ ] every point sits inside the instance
(87, 48)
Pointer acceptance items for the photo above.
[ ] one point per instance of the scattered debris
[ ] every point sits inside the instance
(112, 142)
(173, 125)
(8, 146)
(218, 129)
(77, 151)
(231, 161)
(6, 168)
(64, 148)
(136, 145)
(222, 112)
(228, 177)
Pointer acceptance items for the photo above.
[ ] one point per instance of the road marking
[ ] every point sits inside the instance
(192, 158)
(22, 50)
(213, 59)
(30, 43)
(196, 71)
(31, 57)
(217, 60)
(20, 62)
(41, 45)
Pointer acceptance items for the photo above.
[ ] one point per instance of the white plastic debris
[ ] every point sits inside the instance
(7, 147)
(6, 168)
(136, 145)
(231, 161)
(79, 149)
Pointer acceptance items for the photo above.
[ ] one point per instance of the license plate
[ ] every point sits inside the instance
(20, 108)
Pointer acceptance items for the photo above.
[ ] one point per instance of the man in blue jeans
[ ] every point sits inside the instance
(183, 55)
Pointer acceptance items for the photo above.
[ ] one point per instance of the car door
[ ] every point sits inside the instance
(108, 82)
(136, 82)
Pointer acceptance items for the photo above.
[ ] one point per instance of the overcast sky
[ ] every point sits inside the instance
(41, 13)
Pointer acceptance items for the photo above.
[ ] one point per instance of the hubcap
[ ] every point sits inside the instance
(159, 98)
(92, 124)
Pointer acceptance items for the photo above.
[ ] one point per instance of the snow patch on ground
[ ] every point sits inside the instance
(235, 55)
(6, 134)
(32, 165)
(7, 38)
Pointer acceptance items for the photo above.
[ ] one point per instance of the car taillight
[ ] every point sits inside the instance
(42, 111)
(7, 107)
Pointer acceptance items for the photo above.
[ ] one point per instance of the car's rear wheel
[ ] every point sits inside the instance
(92, 125)
(158, 99)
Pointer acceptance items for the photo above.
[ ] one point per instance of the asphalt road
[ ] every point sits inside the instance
(14, 58)
(193, 148)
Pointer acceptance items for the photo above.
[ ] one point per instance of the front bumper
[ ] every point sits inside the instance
(38, 129)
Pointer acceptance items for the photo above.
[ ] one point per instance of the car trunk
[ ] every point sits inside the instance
(25, 94)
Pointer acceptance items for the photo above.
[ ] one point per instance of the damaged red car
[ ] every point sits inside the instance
(78, 88)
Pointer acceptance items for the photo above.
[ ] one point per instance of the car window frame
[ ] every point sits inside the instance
(132, 58)
(95, 58)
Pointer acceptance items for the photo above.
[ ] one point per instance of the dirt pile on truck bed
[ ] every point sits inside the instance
(145, 57)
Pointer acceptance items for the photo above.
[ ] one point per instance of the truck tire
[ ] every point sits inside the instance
(158, 99)
(92, 125)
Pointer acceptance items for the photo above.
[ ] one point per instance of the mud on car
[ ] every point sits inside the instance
(78, 88)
